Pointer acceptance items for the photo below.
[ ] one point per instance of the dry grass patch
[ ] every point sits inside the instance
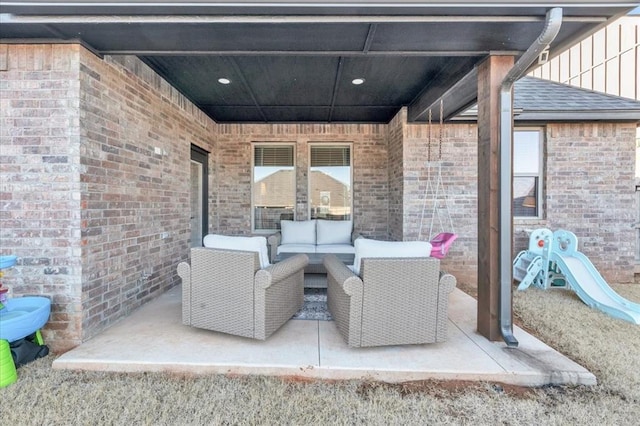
(56, 397)
(608, 347)
(446, 389)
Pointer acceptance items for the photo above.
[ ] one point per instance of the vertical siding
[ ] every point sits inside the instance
(607, 61)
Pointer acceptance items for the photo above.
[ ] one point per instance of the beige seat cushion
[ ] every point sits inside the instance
(257, 244)
(297, 248)
(335, 248)
(366, 248)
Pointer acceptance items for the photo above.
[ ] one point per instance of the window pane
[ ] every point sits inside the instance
(273, 186)
(526, 152)
(527, 170)
(330, 182)
(525, 196)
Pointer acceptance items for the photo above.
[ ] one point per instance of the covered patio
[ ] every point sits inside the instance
(371, 73)
(152, 339)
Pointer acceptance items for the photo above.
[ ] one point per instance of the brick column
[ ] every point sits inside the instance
(490, 75)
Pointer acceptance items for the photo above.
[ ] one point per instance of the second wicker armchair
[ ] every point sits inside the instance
(395, 301)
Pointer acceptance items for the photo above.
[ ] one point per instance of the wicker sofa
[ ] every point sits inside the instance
(228, 291)
(389, 301)
(313, 236)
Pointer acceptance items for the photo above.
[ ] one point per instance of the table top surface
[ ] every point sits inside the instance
(317, 258)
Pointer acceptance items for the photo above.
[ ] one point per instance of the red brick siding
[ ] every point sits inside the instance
(95, 161)
(396, 154)
(136, 134)
(456, 148)
(590, 190)
(39, 192)
(232, 183)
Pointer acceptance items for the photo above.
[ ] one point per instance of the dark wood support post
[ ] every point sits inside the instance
(491, 73)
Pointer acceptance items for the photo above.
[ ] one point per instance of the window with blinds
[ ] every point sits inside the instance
(273, 156)
(330, 156)
(527, 173)
(330, 182)
(274, 186)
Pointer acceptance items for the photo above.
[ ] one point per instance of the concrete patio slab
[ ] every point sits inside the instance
(153, 339)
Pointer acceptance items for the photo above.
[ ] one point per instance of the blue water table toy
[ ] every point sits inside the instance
(19, 318)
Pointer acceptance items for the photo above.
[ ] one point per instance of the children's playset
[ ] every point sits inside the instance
(554, 261)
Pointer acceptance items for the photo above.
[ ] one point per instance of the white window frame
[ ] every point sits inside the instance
(540, 175)
(253, 167)
(330, 144)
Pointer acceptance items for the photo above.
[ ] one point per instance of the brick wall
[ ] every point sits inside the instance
(590, 190)
(411, 208)
(232, 183)
(136, 134)
(39, 189)
(100, 148)
(396, 175)
(455, 147)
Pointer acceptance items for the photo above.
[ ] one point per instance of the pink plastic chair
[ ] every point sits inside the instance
(441, 243)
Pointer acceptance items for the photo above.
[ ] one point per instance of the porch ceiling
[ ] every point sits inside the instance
(295, 61)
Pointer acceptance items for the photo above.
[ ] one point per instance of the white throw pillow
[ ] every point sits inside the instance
(334, 231)
(298, 232)
(257, 244)
(373, 248)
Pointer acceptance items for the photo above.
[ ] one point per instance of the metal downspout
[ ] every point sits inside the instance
(548, 34)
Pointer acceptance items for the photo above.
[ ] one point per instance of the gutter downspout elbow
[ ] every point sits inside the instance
(548, 34)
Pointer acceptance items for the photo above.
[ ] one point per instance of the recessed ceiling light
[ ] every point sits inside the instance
(224, 80)
(357, 81)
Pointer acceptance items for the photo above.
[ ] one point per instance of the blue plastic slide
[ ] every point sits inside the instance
(587, 282)
(553, 261)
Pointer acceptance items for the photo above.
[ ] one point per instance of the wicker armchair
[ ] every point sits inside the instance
(397, 301)
(226, 291)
